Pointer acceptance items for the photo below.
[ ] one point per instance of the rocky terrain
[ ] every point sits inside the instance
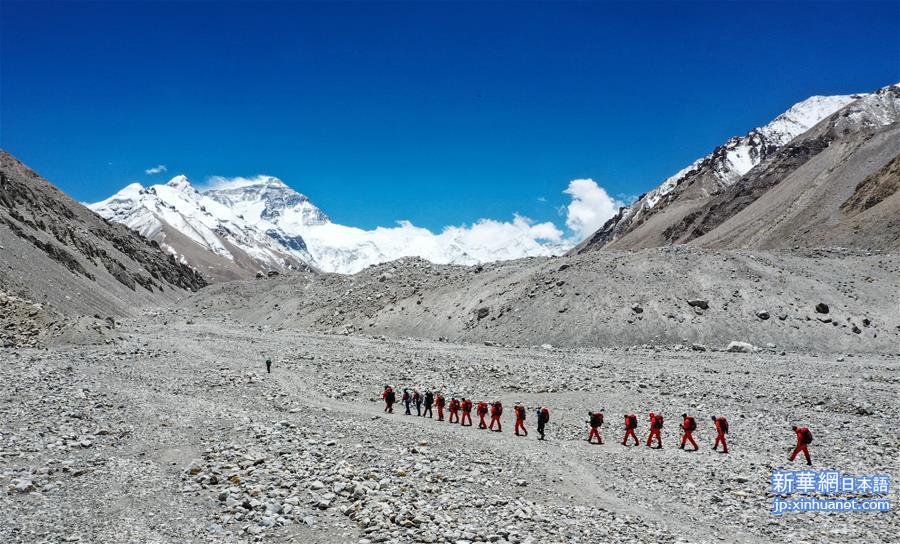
(666, 296)
(175, 433)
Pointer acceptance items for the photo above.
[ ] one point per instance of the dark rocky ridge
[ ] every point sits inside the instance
(55, 251)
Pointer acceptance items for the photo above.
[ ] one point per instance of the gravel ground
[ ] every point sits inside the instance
(175, 433)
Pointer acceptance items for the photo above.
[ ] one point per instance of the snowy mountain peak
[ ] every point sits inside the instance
(181, 182)
(802, 116)
(268, 203)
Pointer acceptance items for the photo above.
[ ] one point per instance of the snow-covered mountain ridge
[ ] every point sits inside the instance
(260, 224)
(723, 167)
(657, 216)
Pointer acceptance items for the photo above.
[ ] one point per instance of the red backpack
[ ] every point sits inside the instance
(657, 422)
(805, 436)
(545, 413)
(690, 424)
(631, 422)
(723, 424)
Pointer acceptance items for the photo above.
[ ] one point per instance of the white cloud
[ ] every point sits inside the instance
(590, 208)
(347, 249)
(340, 248)
(158, 169)
(221, 182)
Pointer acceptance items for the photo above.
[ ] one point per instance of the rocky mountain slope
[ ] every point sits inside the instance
(57, 256)
(707, 193)
(664, 296)
(795, 197)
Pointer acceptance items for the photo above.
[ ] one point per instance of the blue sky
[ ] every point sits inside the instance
(440, 113)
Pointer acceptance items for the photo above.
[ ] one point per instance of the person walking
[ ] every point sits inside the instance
(595, 420)
(466, 413)
(407, 399)
(656, 425)
(721, 430)
(543, 417)
(429, 402)
(496, 412)
(454, 410)
(482, 412)
(631, 423)
(688, 426)
(269, 365)
(804, 439)
(389, 397)
(439, 402)
(520, 419)
(417, 400)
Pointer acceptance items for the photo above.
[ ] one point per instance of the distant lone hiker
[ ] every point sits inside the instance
(440, 403)
(269, 365)
(630, 425)
(543, 417)
(656, 425)
(429, 401)
(595, 420)
(389, 398)
(688, 425)
(721, 430)
(482, 411)
(496, 412)
(520, 419)
(804, 439)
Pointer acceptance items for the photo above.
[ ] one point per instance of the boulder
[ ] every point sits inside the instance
(822, 308)
(699, 303)
(740, 347)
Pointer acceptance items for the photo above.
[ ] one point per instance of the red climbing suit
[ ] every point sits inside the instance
(466, 412)
(656, 422)
(595, 422)
(454, 411)
(688, 425)
(520, 419)
(496, 412)
(630, 426)
(482, 411)
(440, 403)
(721, 430)
(802, 444)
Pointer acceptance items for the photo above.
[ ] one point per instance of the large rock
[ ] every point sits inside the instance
(740, 347)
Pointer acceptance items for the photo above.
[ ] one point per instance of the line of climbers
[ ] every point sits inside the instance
(460, 410)
(424, 403)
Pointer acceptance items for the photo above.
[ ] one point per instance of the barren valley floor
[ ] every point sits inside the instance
(177, 434)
